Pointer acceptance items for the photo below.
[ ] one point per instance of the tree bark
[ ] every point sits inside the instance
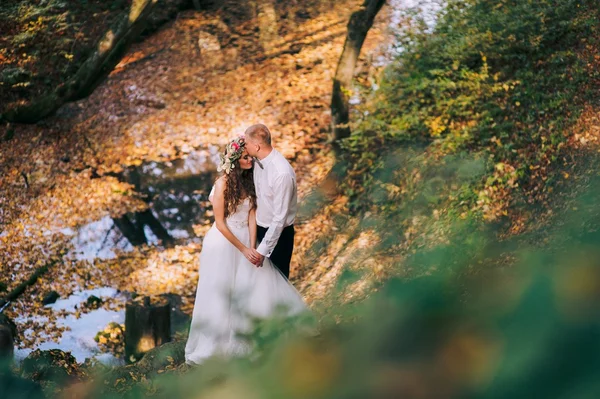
(266, 17)
(147, 325)
(109, 51)
(358, 27)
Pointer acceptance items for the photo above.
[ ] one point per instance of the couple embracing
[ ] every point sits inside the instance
(254, 202)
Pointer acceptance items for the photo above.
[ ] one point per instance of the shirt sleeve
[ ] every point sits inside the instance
(284, 190)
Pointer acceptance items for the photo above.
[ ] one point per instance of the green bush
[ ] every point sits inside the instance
(500, 82)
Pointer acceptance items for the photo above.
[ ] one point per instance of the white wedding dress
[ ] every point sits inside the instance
(231, 291)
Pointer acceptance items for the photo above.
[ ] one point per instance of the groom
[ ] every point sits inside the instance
(277, 202)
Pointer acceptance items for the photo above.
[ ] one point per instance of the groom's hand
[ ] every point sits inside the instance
(259, 258)
(250, 254)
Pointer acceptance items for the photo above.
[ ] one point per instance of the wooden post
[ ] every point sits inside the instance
(147, 325)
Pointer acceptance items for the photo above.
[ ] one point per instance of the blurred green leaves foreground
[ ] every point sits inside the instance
(531, 329)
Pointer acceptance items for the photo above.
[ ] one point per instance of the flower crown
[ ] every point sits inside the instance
(233, 152)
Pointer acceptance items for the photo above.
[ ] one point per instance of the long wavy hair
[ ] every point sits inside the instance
(239, 185)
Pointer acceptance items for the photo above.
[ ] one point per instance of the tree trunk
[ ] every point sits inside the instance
(147, 325)
(109, 51)
(266, 17)
(358, 27)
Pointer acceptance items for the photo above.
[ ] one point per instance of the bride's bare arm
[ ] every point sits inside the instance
(219, 209)
(252, 227)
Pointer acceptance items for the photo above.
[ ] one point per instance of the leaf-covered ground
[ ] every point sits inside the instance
(198, 81)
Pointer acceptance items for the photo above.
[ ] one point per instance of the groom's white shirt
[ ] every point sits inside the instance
(277, 198)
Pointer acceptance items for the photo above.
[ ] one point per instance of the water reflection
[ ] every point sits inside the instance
(177, 195)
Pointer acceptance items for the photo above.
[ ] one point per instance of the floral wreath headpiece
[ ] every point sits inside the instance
(233, 152)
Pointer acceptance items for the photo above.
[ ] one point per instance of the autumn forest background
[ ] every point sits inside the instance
(448, 173)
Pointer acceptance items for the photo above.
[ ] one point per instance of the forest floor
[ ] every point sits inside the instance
(193, 84)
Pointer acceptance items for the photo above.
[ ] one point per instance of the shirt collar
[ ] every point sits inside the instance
(266, 160)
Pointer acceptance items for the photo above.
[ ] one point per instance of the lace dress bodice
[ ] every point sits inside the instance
(239, 219)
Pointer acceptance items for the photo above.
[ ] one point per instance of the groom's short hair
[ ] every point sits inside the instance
(260, 133)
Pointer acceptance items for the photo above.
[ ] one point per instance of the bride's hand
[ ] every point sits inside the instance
(260, 258)
(250, 255)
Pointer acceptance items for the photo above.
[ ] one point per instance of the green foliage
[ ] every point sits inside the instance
(51, 367)
(525, 331)
(496, 82)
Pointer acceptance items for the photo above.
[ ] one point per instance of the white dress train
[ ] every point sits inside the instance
(231, 291)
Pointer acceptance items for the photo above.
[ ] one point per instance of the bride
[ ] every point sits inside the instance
(231, 289)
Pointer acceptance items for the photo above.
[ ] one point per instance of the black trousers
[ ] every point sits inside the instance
(282, 254)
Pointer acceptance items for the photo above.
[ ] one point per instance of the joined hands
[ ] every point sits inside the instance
(254, 256)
